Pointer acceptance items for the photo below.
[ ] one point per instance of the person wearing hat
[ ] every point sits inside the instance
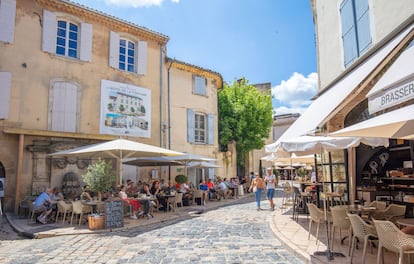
(270, 180)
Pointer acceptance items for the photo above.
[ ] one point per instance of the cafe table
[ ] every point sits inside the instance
(405, 222)
(97, 206)
(169, 198)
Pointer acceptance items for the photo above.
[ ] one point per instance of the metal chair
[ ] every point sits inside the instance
(361, 231)
(393, 239)
(299, 203)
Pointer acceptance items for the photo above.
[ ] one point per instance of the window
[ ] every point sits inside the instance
(67, 39)
(200, 127)
(64, 107)
(127, 55)
(7, 18)
(64, 37)
(199, 85)
(356, 32)
(5, 89)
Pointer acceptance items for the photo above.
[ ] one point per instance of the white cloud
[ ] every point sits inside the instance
(295, 94)
(137, 3)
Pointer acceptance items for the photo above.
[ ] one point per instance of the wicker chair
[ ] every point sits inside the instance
(78, 208)
(378, 204)
(287, 194)
(318, 216)
(341, 221)
(391, 213)
(339, 193)
(361, 231)
(63, 208)
(393, 239)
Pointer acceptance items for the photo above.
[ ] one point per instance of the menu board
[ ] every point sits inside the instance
(113, 214)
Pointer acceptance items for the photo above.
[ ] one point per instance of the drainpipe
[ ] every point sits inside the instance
(161, 64)
(168, 107)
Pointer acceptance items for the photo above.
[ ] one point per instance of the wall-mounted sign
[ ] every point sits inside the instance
(125, 109)
(391, 97)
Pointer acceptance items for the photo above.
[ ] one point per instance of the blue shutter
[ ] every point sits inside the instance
(7, 18)
(363, 26)
(210, 127)
(200, 85)
(190, 125)
(348, 32)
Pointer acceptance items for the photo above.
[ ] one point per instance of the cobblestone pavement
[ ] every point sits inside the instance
(233, 234)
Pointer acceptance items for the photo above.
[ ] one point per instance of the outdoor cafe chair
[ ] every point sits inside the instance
(33, 212)
(78, 208)
(318, 216)
(64, 209)
(393, 239)
(361, 231)
(287, 194)
(392, 213)
(340, 220)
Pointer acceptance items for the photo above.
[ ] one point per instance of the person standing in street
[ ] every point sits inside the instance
(270, 180)
(257, 186)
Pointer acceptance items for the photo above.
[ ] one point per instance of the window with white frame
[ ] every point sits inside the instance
(127, 54)
(356, 32)
(64, 106)
(65, 37)
(199, 85)
(200, 127)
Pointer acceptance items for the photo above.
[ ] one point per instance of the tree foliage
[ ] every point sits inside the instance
(245, 116)
(100, 176)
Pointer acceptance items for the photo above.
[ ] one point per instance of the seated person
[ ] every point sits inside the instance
(170, 189)
(203, 187)
(135, 204)
(131, 189)
(186, 190)
(222, 190)
(44, 204)
(146, 203)
(86, 193)
(211, 189)
(155, 192)
(56, 196)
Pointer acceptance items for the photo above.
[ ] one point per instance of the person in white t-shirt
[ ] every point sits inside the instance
(270, 180)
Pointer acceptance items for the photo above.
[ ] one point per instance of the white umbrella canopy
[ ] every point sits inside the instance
(152, 161)
(119, 149)
(202, 164)
(189, 157)
(395, 124)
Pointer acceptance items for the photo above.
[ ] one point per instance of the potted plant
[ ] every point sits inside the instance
(100, 177)
(302, 173)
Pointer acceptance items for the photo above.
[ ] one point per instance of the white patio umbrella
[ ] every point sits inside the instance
(395, 124)
(119, 149)
(202, 164)
(317, 144)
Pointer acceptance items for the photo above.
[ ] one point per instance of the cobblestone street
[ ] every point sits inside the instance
(232, 234)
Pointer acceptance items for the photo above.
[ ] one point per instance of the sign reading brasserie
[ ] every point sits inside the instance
(391, 97)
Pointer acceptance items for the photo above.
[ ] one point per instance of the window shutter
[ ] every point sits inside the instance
(5, 90)
(210, 118)
(190, 125)
(211, 173)
(49, 32)
(7, 20)
(142, 58)
(64, 107)
(363, 25)
(58, 107)
(114, 50)
(348, 32)
(86, 42)
(200, 85)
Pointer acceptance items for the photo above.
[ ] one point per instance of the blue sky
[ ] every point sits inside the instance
(261, 40)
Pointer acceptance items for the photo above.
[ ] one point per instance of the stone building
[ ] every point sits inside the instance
(72, 76)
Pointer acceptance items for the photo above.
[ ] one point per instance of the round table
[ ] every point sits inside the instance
(406, 222)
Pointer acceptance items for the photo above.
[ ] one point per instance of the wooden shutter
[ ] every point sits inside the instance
(64, 107)
(210, 126)
(86, 42)
(348, 32)
(190, 125)
(7, 20)
(363, 25)
(142, 58)
(200, 85)
(114, 50)
(5, 90)
(49, 32)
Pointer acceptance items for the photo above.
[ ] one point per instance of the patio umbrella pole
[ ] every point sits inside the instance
(328, 253)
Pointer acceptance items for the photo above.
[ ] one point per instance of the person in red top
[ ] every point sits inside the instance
(210, 189)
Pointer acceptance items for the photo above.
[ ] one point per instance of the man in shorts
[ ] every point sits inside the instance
(44, 204)
(270, 180)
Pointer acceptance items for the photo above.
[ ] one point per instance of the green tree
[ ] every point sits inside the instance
(245, 116)
(100, 176)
